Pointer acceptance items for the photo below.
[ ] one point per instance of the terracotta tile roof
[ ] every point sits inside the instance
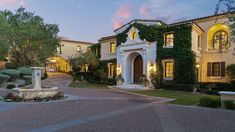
(75, 41)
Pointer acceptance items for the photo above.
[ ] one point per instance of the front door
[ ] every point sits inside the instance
(138, 68)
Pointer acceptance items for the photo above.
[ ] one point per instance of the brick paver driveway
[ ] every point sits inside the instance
(109, 111)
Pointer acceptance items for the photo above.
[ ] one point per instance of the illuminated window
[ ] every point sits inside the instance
(78, 48)
(169, 40)
(220, 40)
(111, 70)
(112, 48)
(169, 68)
(133, 35)
(216, 69)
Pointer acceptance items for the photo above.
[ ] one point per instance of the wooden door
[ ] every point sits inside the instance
(138, 68)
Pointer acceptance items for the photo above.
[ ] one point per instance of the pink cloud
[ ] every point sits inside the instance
(123, 13)
(12, 2)
(145, 10)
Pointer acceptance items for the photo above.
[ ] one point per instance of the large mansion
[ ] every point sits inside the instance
(138, 50)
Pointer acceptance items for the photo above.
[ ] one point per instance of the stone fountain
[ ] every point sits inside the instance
(36, 90)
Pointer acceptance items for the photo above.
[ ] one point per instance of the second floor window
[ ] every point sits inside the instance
(79, 48)
(112, 48)
(169, 40)
(220, 40)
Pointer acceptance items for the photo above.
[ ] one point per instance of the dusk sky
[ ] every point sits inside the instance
(88, 20)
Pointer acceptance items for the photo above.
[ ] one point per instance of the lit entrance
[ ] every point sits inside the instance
(57, 64)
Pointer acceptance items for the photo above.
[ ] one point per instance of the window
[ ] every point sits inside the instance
(169, 40)
(133, 35)
(216, 69)
(199, 42)
(111, 70)
(78, 48)
(220, 40)
(169, 68)
(112, 48)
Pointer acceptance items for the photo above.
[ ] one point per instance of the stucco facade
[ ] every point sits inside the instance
(105, 43)
(206, 33)
(68, 48)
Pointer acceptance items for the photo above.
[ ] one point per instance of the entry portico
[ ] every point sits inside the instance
(135, 58)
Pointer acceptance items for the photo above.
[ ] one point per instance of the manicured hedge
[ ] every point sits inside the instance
(14, 74)
(11, 66)
(209, 102)
(229, 104)
(178, 87)
(216, 86)
(25, 70)
(4, 78)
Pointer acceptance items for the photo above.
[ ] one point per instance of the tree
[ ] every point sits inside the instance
(83, 62)
(29, 40)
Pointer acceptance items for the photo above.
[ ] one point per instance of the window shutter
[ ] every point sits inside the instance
(222, 69)
(209, 68)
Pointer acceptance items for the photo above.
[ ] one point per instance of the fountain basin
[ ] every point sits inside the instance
(28, 93)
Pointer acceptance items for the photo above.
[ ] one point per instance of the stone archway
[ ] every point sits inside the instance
(134, 68)
(138, 68)
(57, 64)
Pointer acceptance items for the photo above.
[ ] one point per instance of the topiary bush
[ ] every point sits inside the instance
(25, 71)
(14, 74)
(178, 87)
(229, 104)
(11, 86)
(11, 66)
(209, 102)
(231, 71)
(28, 79)
(4, 78)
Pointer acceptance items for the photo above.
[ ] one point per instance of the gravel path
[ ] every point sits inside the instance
(109, 111)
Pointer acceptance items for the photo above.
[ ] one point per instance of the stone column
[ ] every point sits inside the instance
(36, 77)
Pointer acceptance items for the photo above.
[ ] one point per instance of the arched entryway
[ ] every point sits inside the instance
(57, 64)
(138, 68)
(134, 68)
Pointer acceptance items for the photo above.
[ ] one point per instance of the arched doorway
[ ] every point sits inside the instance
(138, 68)
(57, 64)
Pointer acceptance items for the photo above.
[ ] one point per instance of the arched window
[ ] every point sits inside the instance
(133, 34)
(220, 40)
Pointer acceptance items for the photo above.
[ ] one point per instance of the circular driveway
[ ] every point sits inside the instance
(109, 111)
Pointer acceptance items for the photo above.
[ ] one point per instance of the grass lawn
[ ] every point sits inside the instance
(182, 98)
(88, 85)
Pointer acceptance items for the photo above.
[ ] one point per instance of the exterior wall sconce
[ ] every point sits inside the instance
(197, 65)
(151, 66)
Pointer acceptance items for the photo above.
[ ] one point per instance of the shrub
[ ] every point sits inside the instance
(3, 78)
(38, 99)
(28, 79)
(100, 74)
(45, 75)
(155, 80)
(216, 86)
(179, 87)
(25, 70)
(143, 80)
(233, 83)
(10, 96)
(11, 66)
(229, 104)
(11, 86)
(212, 92)
(231, 71)
(209, 102)
(14, 74)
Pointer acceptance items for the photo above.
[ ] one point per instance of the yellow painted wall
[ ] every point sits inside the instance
(213, 56)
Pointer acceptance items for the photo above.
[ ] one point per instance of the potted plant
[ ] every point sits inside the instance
(119, 80)
(144, 80)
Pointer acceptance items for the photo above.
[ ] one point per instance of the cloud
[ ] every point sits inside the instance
(123, 13)
(166, 10)
(145, 10)
(8, 3)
